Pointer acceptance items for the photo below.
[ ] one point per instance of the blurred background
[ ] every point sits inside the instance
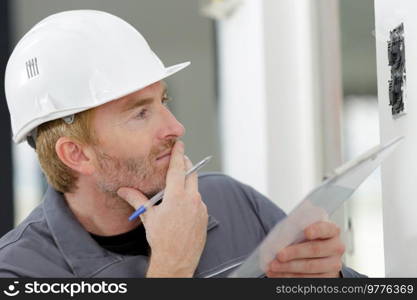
(279, 92)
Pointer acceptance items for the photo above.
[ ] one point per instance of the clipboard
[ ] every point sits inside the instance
(318, 205)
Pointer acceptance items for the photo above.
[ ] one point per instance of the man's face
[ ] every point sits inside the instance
(135, 135)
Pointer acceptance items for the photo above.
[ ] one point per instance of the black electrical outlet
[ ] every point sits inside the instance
(396, 59)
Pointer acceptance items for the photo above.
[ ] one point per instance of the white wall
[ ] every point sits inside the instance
(399, 172)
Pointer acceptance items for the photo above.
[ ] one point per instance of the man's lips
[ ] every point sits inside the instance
(163, 155)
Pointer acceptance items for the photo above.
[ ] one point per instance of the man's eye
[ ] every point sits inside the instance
(165, 100)
(142, 114)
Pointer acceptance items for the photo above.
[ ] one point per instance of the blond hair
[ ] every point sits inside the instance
(59, 175)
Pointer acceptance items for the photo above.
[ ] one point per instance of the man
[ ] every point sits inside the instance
(86, 91)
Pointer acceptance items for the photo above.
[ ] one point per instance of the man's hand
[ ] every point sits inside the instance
(176, 229)
(319, 256)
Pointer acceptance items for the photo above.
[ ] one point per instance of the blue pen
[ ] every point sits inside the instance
(159, 196)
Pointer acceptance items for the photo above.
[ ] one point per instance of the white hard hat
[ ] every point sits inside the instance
(75, 60)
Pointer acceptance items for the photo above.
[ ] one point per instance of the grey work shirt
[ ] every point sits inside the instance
(50, 242)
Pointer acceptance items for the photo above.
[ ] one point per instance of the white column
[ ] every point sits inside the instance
(279, 105)
(243, 96)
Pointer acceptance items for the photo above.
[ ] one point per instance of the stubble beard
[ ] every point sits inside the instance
(140, 173)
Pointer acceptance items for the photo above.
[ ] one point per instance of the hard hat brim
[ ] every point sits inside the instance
(175, 68)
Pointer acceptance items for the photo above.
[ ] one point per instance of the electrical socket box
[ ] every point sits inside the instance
(396, 60)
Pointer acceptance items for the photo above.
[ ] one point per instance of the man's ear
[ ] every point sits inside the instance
(75, 155)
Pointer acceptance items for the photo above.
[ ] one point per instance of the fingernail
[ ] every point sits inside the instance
(122, 193)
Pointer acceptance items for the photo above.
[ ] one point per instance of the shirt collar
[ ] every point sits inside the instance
(81, 252)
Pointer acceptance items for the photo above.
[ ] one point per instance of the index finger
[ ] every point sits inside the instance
(176, 170)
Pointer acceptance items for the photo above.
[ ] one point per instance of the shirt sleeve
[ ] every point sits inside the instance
(6, 271)
(268, 213)
(350, 273)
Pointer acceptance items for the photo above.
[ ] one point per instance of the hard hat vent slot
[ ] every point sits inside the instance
(32, 69)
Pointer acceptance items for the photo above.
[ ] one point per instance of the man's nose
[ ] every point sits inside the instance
(172, 128)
